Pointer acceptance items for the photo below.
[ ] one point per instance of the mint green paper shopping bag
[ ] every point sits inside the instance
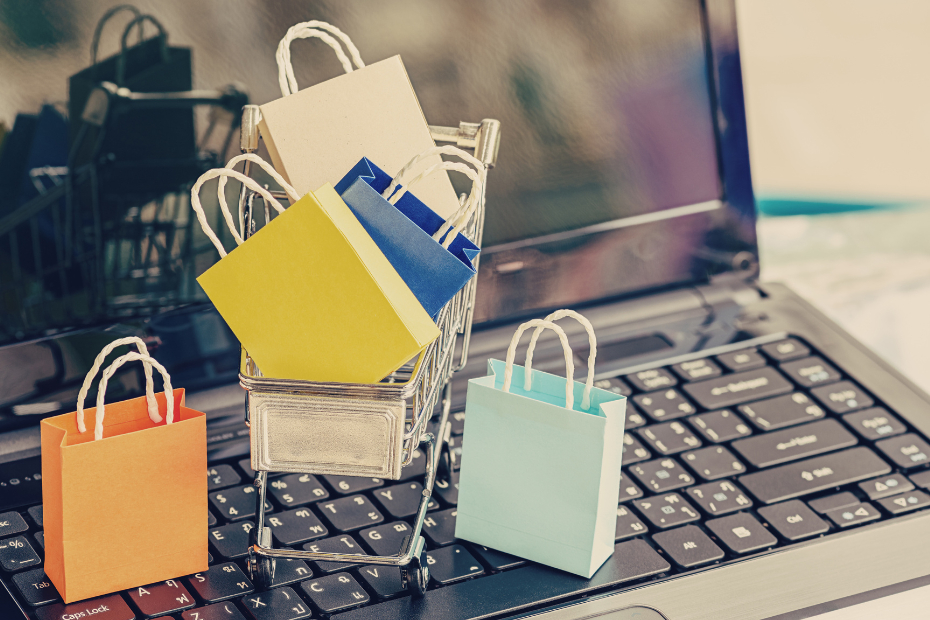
(527, 432)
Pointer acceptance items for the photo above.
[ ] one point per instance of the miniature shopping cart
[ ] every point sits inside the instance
(350, 429)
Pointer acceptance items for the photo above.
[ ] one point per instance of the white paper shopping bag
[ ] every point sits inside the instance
(316, 134)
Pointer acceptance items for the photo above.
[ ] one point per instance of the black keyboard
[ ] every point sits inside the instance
(725, 457)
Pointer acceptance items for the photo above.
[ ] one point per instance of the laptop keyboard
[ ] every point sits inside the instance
(725, 457)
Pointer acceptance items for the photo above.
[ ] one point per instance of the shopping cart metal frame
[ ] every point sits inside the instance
(415, 389)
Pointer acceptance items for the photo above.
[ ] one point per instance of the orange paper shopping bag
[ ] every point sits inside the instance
(125, 502)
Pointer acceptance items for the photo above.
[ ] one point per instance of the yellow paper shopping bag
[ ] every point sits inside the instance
(310, 296)
(314, 135)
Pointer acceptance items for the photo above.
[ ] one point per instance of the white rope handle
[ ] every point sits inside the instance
(306, 30)
(569, 364)
(460, 218)
(102, 390)
(98, 362)
(446, 149)
(221, 190)
(202, 217)
(592, 345)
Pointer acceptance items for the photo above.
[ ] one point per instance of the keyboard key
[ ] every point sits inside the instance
(296, 490)
(794, 443)
(719, 426)
(670, 438)
(782, 411)
(35, 587)
(633, 450)
(448, 490)
(784, 350)
(17, 554)
(747, 359)
(220, 582)
(497, 560)
(628, 524)
(842, 397)
(278, 604)
(164, 597)
(335, 593)
(719, 498)
(231, 541)
(40, 538)
(335, 544)
(649, 380)
(349, 485)
(688, 546)
(921, 479)
(899, 504)
(296, 526)
(383, 580)
(222, 476)
(219, 611)
(738, 388)
(246, 466)
(401, 500)
(450, 564)
(629, 490)
(439, 527)
(351, 513)
(661, 475)
(811, 371)
(812, 475)
(13, 523)
(832, 502)
(521, 587)
(35, 513)
(665, 511)
(211, 519)
(875, 423)
(111, 607)
(633, 419)
(854, 515)
(615, 385)
(741, 533)
(905, 451)
(713, 463)
(886, 486)
(386, 539)
(236, 503)
(417, 467)
(664, 405)
(697, 369)
(794, 520)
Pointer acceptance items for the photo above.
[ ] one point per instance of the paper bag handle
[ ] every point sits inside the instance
(98, 362)
(248, 182)
(221, 189)
(306, 30)
(569, 364)
(592, 345)
(95, 44)
(121, 59)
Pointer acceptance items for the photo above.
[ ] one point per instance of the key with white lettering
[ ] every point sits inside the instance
(334, 544)
(12, 523)
(875, 423)
(784, 350)
(236, 503)
(629, 490)
(296, 526)
(669, 438)
(719, 426)
(219, 611)
(649, 380)
(231, 541)
(794, 443)
(906, 502)
(886, 486)
(277, 604)
(854, 515)
(906, 451)
(688, 546)
(842, 397)
(287, 571)
(633, 450)
(36, 588)
(165, 597)
(111, 607)
(668, 510)
(739, 387)
(383, 580)
(697, 370)
(385, 539)
(347, 485)
(450, 564)
(794, 520)
(634, 419)
(713, 463)
(222, 476)
(348, 514)
(401, 500)
(628, 525)
(741, 533)
(664, 405)
(615, 385)
(813, 475)
(17, 554)
(661, 475)
(448, 490)
(439, 527)
(747, 359)
(335, 593)
(220, 582)
(296, 490)
(719, 498)
(811, 371)
(782, 411)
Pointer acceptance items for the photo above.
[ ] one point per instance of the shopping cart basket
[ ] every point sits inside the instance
(360, 429)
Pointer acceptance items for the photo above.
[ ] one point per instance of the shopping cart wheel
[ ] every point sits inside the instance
(261, 568)
(415, 575)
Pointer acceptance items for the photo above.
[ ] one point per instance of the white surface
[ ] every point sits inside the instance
(910, 605)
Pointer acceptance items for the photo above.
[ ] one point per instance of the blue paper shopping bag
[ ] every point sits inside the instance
(406, 231)
(527, 432)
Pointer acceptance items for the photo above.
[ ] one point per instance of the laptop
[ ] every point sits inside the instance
(773, 467)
